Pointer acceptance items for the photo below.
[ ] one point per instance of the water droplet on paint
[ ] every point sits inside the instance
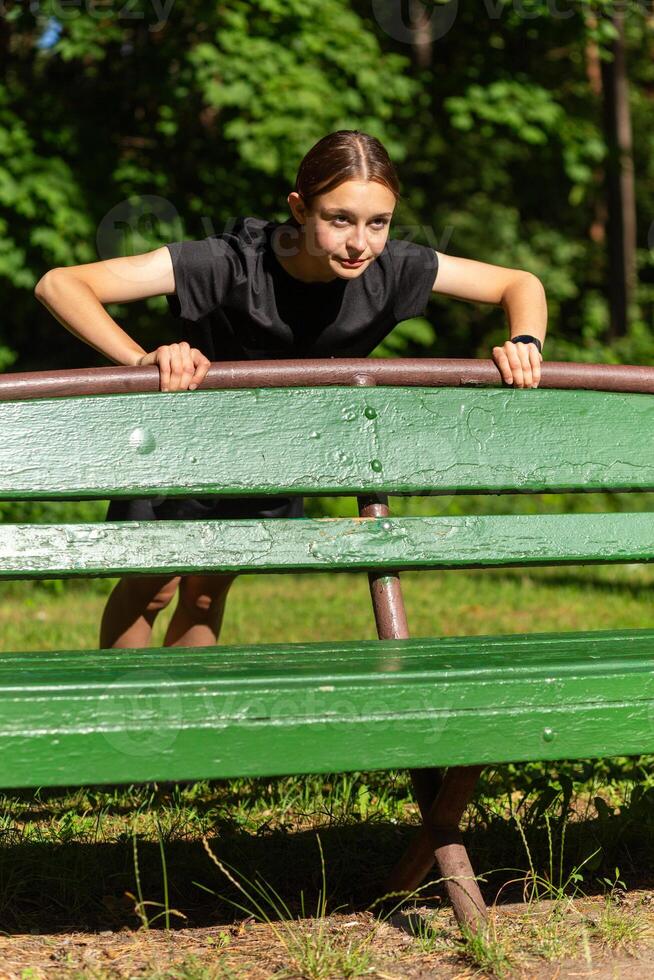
(142, 440)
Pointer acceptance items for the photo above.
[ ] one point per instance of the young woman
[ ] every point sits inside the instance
(327, 282)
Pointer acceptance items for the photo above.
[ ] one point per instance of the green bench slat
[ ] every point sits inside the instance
(157, 547)
(166, 714)
(326, 440)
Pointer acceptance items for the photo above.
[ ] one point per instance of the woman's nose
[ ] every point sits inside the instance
(357, 242)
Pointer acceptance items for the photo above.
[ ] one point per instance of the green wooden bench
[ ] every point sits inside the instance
(429, 704)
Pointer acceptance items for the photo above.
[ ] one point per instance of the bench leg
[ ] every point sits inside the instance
(441, 798)
(426, 785)
(439, 841)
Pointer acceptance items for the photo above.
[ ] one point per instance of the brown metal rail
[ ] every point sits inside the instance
(428, 371)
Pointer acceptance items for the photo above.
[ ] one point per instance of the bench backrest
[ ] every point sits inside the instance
(325, 440)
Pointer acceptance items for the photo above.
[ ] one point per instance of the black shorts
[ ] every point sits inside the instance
(207, 508)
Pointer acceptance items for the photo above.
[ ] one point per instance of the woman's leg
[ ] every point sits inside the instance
(132, 609)
(135, 602)
(199, 614)
(200, 608)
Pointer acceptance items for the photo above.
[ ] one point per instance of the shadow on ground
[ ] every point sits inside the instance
(78, 886)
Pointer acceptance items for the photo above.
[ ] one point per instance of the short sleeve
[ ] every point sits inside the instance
(204, 271)
(415, 268)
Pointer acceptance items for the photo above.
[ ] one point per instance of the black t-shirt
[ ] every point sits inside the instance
(237, 302)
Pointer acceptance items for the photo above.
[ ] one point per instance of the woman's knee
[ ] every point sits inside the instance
(201, 594)
(150, 593)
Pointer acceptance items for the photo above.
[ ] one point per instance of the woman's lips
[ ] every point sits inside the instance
(353, 264)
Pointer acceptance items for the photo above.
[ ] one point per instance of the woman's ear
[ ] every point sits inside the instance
(297, 206)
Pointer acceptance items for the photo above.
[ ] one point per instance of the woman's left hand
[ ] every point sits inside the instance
(519, 364)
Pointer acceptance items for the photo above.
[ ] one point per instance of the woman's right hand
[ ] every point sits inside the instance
(181, 366)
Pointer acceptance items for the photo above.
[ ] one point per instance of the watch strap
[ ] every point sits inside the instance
(526, 338)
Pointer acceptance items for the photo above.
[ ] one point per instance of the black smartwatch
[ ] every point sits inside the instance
(526, 338)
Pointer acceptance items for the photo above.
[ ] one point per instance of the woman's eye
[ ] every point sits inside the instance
(379, 223)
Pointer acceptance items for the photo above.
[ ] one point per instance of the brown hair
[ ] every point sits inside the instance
(346, 154)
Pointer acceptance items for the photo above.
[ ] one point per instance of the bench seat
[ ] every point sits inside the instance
(110, 716)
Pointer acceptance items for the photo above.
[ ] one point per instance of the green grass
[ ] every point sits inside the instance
(265, 608)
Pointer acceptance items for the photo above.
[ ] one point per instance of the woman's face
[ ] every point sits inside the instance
(347, 228)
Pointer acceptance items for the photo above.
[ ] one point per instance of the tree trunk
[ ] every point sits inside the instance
(597, 230)
(620, 184)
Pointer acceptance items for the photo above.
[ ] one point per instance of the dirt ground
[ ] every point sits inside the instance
(382, 949)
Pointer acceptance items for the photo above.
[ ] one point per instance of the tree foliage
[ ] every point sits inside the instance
(125, 126)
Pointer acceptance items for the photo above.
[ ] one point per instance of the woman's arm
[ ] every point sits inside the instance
(521, 295)
(75, 294)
